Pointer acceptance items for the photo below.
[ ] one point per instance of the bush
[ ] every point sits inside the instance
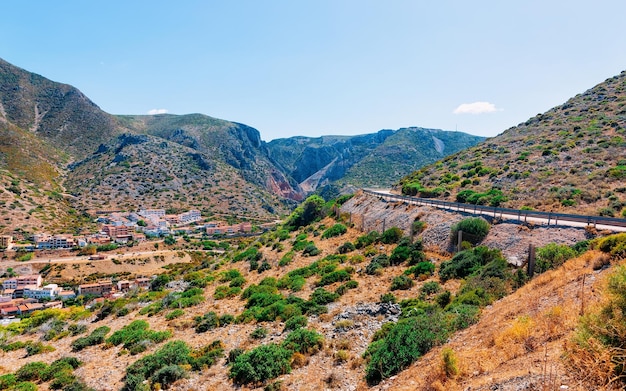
(7, 381)
(296, 322)
(310, 250)
(260, 364)
(335, 230)
(174, 314)
(430, 288)
(311, 210)
(552, 256)
(286, 259)
(388, 298)
(392, 235)
(134, 335)
(96, 337)
(206, 322)
(33, 371)
(422, 268)
(468, 262)
(168, 375)
(303, 341)
(401, 283)
(613, 244)
(474, 229)
(167, 364)
(321, 296)
(366, 240)
(259, 333)
(406, 341)
(346, 248)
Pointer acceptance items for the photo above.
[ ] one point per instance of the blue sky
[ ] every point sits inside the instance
(323, 67)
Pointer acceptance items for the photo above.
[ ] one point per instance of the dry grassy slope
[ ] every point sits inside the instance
(104, 368)
(569, 152)
(488, 353)
(518, 342)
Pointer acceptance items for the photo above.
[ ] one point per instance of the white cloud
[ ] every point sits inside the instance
(476, 108)
(157, 111)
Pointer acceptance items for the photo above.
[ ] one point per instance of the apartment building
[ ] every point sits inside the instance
(20, 282)
(98, 289)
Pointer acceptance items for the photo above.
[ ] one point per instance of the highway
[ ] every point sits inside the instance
(516, 215)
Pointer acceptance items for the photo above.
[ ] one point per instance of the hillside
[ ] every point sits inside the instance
(376, 159)
(58, 154)
(570, 158)
(252, 297)
(140, 171)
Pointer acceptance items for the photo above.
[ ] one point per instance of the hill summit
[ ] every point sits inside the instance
(570, 158)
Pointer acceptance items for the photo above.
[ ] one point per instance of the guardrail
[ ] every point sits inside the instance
(522, 215)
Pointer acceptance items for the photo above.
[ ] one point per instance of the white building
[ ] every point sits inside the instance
(49, 291)
(189, 217)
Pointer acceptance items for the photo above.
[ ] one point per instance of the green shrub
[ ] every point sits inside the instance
(296, 322)
(7, 381)
(406, 341)
(286, 259)
(388, 298)
(335, 230)
(206, 322)
(468, 262)
(613, 244)
(310, 250)
(96, 337)
(134, 335)
(430, 288)
(474, 229)
(366, 240)
(260, 364)
(174, 314)
(303, 341)
(552, 256)
(37, 348)
(335, 276)
(32, 371)
(422, 268)
(311, 210)
(259, 333)
(346, 248)
(392, 235)
(321, 296)
(168, 375)
(401, 283)
(160, 367)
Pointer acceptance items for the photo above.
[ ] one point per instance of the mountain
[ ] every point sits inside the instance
(60, 154)
(571, 158)
(376, 159)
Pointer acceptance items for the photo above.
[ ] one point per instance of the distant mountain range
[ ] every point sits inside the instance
(571, 158)
(62, 156)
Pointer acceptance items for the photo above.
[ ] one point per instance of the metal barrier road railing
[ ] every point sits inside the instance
(522, 215)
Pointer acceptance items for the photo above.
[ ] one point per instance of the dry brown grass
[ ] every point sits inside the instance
(518, 337)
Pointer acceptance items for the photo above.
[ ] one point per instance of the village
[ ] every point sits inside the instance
(23, 294)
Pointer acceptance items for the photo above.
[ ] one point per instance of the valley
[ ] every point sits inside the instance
(245, 264)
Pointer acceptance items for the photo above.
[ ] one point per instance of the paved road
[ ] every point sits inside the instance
(503, 216)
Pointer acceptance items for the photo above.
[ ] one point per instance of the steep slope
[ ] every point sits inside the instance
(376, 159)
(237, 145)
(57, 113)
(571, 158)
(142, 171)
(48, 130)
